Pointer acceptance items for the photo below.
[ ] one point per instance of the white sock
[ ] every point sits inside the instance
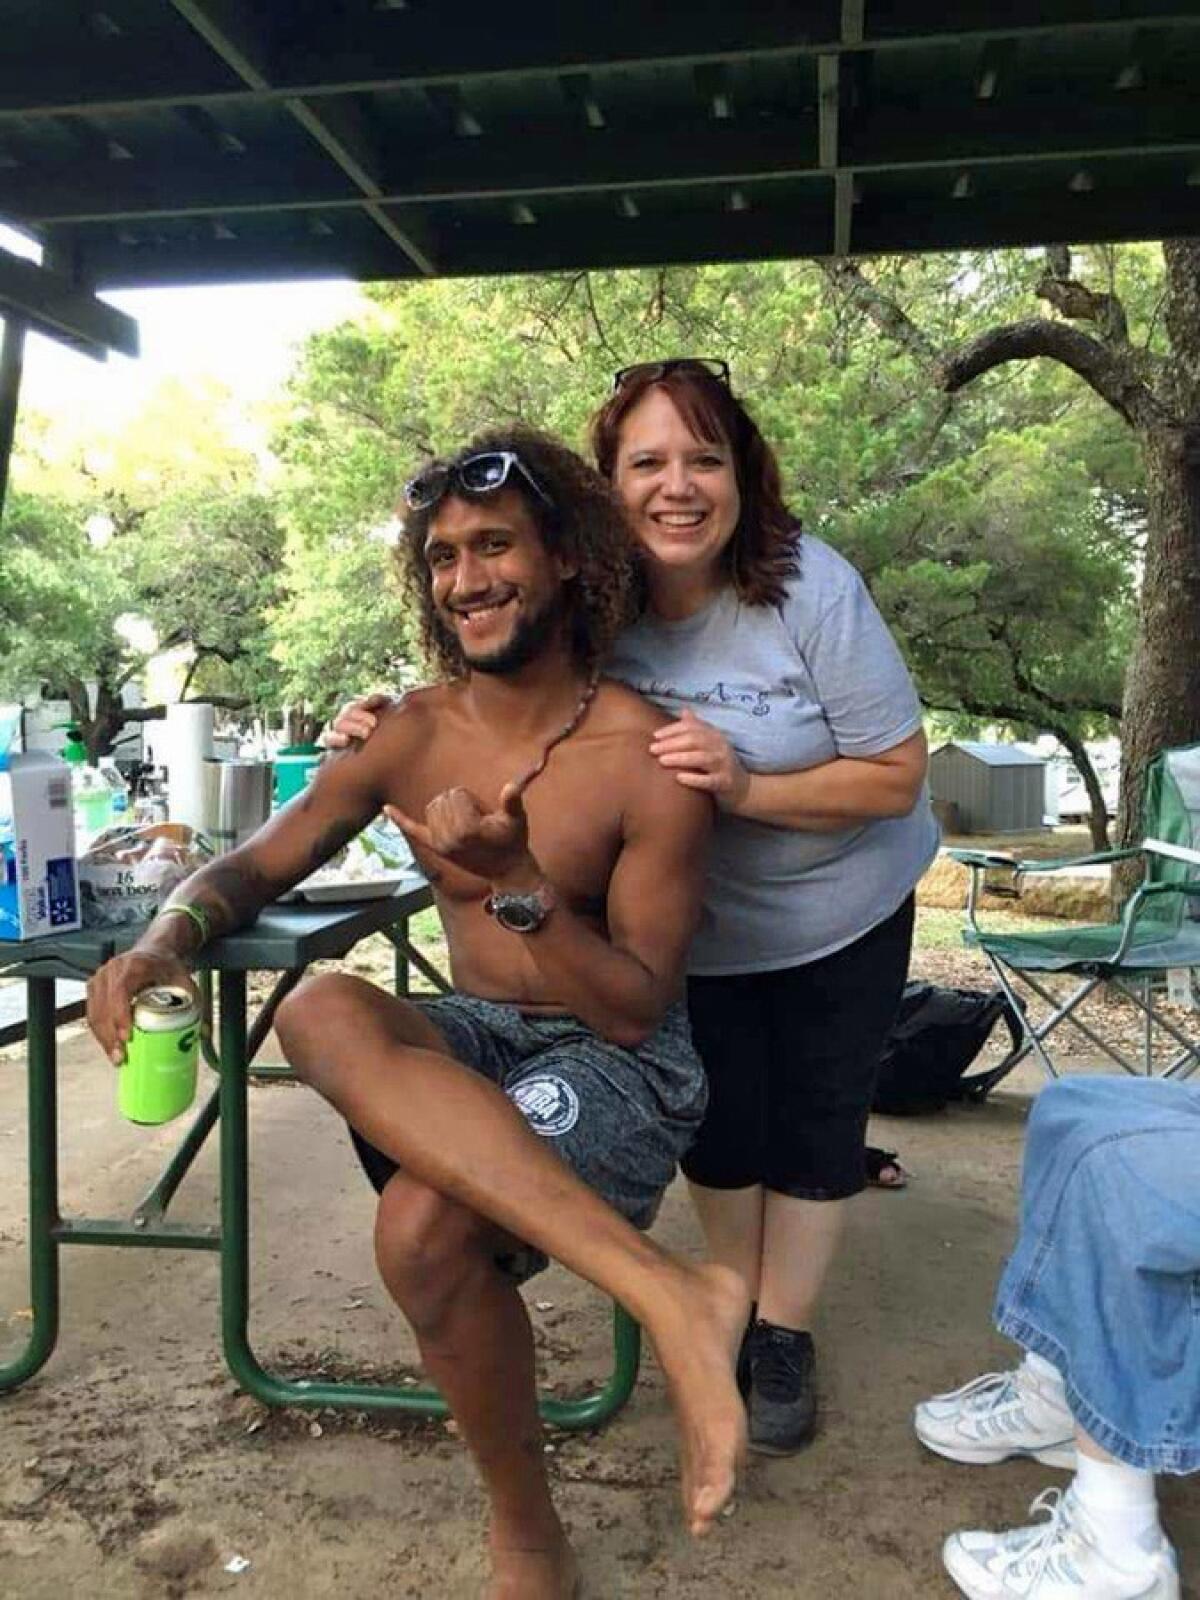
(1047, 1379)
(1122, 1507)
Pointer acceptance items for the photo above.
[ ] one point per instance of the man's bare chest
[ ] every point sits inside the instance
(574, 806)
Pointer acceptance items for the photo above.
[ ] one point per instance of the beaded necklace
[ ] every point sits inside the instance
(564, 732)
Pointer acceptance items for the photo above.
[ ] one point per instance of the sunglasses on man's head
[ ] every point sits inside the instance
(709, 366)
(481, 474)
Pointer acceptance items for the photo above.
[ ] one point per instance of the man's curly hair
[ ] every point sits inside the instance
(585, 524)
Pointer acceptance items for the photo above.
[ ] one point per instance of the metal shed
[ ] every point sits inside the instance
(994, 788)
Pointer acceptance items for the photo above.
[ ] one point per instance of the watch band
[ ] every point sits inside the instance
(521, 911)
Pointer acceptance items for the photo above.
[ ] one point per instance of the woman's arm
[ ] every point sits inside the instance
(838, 793)
(822, 799)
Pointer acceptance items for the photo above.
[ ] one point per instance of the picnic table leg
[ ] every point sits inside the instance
(588, 1412)
(43, 1186)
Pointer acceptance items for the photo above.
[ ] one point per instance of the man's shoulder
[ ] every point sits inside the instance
(414, 710)
(402, 728)
(621, 709)
(640, 784)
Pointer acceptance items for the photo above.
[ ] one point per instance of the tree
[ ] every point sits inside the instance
(340, 626)
(1147, 372)
(60, 607)
(202, 572)
(1012, 597)
(205, 565)
(160, 522)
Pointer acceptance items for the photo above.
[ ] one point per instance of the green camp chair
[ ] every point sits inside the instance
(1159, 930)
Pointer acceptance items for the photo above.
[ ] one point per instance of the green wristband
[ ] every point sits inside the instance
(199, 917)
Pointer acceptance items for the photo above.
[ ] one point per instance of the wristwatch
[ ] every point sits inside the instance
(521, 912)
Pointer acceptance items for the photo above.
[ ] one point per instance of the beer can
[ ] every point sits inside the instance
(157, 1080)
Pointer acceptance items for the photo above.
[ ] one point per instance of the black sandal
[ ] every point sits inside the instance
(881, 1161)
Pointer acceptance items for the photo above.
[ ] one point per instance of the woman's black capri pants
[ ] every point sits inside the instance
(791, 1058)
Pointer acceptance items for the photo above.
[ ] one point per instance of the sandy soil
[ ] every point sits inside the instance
(132, 1467)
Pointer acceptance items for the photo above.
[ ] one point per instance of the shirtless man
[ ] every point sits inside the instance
(546, 1102)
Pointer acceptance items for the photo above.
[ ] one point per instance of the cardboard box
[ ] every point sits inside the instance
(39, 883)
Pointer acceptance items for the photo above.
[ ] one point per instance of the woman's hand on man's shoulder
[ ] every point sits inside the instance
(357, 719)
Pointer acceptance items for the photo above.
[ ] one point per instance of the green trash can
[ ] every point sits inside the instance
(294, 766)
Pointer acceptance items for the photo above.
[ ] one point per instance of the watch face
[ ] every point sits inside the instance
(520, 913)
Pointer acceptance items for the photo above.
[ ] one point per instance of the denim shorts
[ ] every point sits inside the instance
(1105, 1278)
(620, 1118)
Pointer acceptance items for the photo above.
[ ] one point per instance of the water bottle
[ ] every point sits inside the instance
(91, 798)
(118, 789)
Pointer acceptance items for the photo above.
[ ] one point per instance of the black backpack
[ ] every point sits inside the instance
(937, 1034)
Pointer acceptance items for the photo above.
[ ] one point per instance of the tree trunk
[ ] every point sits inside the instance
(106, 723)
(1162, 686)
(302, 726)
(1098, 814)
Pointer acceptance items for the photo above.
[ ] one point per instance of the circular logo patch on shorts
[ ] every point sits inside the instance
(549, 1104)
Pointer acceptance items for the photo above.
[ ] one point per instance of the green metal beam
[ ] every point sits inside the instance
(236, 38)
(12, 354)
(565, 161)
(1021, 128)
(338, 129)
(51, 304)
(431, 45)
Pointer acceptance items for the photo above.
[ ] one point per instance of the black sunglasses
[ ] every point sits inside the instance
(481, 474)
(710, 366)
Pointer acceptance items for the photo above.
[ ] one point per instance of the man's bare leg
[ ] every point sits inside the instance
(437, 1261)
(378, 1061)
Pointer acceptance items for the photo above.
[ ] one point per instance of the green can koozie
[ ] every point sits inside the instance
(158, 1078)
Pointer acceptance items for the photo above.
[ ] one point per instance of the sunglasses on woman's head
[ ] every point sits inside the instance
(481, 474)
(710, 366)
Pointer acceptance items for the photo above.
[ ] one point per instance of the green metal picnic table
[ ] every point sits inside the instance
(285, 940)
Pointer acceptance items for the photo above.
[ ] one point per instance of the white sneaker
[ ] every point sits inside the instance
(1059, 1559)
(1000, 1415)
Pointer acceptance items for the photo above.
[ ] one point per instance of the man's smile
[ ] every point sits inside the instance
(479, 615)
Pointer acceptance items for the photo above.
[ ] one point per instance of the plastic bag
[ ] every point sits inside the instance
(126, 873)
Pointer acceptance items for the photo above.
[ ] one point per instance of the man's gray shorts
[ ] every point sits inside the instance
(620, 1118)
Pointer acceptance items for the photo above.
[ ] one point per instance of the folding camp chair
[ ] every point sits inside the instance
(1158, 932)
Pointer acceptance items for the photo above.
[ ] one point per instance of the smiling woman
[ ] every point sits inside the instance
(793, 709)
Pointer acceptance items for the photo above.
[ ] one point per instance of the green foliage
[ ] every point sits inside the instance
(1008, 580)
(60, 599)
(1000, 533)
(340, 626)
(181, 540)
(205, 567)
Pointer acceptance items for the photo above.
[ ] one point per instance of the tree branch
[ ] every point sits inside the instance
(1073, 299)
(1114, 379)
(594, 315)
(893, 322)
(999, 631)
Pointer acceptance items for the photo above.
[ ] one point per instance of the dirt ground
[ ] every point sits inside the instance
(131, 1466)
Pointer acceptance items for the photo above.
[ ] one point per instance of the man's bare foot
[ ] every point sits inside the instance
(696, 1332)
(532, 1572)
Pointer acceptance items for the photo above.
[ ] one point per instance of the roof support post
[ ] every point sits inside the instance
(12, 357)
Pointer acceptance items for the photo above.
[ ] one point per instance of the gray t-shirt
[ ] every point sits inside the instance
(790, 687)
